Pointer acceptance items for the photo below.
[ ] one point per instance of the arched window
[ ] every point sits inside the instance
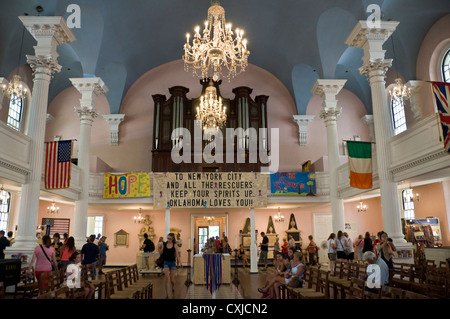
(15, 113)
(398, 115)
(4, 209)
(446, 67)
(408, 204)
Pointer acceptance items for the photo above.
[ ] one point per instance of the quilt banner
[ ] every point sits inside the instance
(209, 190)
(293, 184)
(126, 185)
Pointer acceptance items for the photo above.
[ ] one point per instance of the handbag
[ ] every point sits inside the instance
(347, 250)
(53, 266)
(160, 262)
(295, 282)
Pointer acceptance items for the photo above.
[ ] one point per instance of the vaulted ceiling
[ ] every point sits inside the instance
(298, 41)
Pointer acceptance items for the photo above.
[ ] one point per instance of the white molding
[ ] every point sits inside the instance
(303, 122)
(114, 121)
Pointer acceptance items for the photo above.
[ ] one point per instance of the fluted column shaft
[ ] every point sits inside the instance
(49, 32)
(328, 90)
(89, 88)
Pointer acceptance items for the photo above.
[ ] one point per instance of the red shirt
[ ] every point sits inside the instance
(285, 247)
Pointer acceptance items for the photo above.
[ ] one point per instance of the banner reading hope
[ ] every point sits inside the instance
(126, 185)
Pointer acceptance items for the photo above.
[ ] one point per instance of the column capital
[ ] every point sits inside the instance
(86, 114)
(43, 64)
(114, 121)
(330, 113)
(89, 88)
(49, 32)
(377, 67)
(303, 122)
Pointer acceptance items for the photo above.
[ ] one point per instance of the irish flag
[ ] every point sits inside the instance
(360, 164)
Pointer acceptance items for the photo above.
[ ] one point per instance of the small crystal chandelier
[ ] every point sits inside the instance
(208, 219)
(211, 56)
(15, 87)
(413, 197)
(53, 209)
(211, 113)
(279, 218)
(138, 219)
(400, 92)
(361, 207)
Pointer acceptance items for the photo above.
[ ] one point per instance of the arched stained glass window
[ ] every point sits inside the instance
(446, 67)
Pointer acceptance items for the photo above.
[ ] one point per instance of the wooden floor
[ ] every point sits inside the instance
(246, 289)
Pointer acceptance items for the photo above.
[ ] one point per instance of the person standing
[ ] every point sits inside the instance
(89, 252)
(264, 250)
(66, 251)
(367, 243)
(291, 241)
(312, 250)
(148, 247)
(179, 244)
(43, 259)
(57, 244)
(387, 249)
(4, 242)
(102, 248)
(285, 248)
(11, 238)
(169, 252)
(359, 245)
(341, 245)
(276, 247)
(349, 247)
(332, 255)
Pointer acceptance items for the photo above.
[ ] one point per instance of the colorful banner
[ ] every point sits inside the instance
(209, 190)
(126, 185)
(295, 183)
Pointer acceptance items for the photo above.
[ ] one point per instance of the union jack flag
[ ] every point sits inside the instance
(441, 92)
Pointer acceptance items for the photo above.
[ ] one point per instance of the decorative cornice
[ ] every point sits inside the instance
(422, 160)
(11, 167)
(114, 121)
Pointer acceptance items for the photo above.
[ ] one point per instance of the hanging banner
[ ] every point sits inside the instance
(126, 185)
(209, 190)
(295, 183)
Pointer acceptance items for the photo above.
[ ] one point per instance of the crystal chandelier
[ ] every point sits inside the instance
(220, 55)
(53, 209)
(361, 207)
(211, 113)
(279, 218)
(400, 92)
(15, 87)
(138, 219)
(208, 219)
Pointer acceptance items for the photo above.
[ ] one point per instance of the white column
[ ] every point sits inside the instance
(167, 223)
(328, 90)
(254, 244)
(114, 121)
(49, 32)
(375, 66)
(368, 120)
(303, 122)
(89, 88)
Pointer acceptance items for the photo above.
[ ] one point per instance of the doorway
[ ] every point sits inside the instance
(323, 227)
(204, 234)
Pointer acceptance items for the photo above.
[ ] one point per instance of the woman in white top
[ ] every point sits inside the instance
(349, 242)
(331, 245)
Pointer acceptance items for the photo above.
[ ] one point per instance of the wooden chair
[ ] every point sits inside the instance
(323, 289)
(340, 269)
(356, 289)
(436, 286)
(388, 292)
(112, 283)
(49, 281)
(27, 285)
(413, 295)
(60, 293)
(98, 281)
(400, 276)
(310, 276)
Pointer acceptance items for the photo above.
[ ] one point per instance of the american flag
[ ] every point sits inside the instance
(441, 92)
(57, 164)
(57, 225)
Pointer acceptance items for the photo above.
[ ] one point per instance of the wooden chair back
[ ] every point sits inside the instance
(436, 286)
(322, 283)
(388, 292)
(357, 288)
(112, 283)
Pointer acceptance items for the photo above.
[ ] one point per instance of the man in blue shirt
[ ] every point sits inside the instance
(381, 271)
